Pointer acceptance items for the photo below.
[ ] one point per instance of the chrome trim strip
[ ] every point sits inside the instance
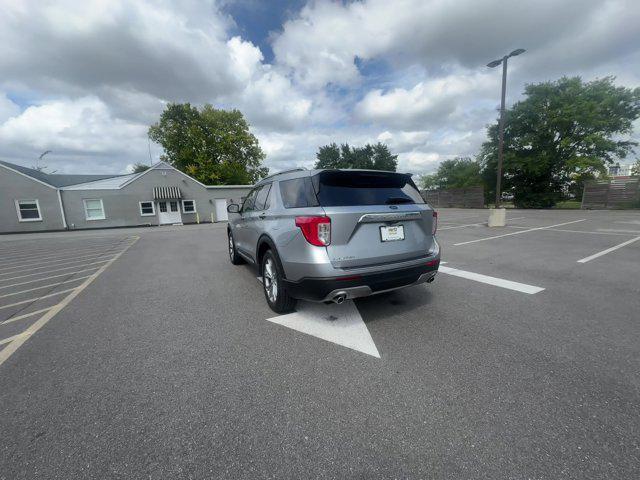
(389, 217)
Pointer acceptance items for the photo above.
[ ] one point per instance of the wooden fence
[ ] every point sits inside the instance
(472, 197)
(622, 193)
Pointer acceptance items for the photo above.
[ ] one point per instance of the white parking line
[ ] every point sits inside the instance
(25, 315)
(497, 282)
(54, 270)
(575, 231)
(517, 233)
(618, 231)
(608, 250)
(461, 226)
(52, 251)
(36, 299)
(53, 311)
(587, 231)
(66, 274)
(11, 339)
(52, 262)
(66, 262)
(444, 219)
(475, 224)
(44, 286)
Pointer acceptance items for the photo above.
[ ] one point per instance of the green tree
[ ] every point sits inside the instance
(459, 172)
(561, 134)
(429, 182)
(383, 159)
(328, 157)
(635, 169)
(372, 157)
(140, 167)
(213, 146)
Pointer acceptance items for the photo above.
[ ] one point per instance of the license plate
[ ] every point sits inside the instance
(392, 234)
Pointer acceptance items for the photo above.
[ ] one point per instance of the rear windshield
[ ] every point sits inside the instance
(340, 188)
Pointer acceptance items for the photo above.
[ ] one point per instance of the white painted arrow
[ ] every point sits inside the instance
(341, 324)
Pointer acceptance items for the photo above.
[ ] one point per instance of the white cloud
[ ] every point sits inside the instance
(87, 78)
(74, 130)
(245, 57)
(68, 47)
(419, 161)
(321, 44)
(428, 101)
(120, 63)
(8, 109)
(271, 102)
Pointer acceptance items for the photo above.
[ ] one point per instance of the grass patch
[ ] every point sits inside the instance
(569, 204)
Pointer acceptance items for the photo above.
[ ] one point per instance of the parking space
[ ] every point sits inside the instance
(160, 359)
(38, 278)
(550, 247)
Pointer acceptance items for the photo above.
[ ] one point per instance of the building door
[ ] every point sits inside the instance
(221, 210)
(168, 212)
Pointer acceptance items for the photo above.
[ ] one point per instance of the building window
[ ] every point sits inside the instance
(28, 210)
(94, 209)
(188, 206)
(147, 209)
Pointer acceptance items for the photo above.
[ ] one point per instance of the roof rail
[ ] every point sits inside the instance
(299, 169)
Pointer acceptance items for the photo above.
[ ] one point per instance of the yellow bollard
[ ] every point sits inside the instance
(197, 218)
(211, 217)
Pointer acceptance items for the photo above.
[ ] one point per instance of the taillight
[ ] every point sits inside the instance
(434, 225)
(317, 230)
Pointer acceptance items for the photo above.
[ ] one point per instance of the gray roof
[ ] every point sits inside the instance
(56, 179)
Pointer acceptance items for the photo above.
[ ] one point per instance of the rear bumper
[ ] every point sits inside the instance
(354, 286)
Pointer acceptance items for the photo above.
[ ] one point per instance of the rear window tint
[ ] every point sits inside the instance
(343, 188)
(298, 193)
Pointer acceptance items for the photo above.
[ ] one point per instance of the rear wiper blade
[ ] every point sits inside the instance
(395, 200)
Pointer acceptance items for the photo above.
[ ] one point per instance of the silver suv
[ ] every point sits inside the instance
(330, 235)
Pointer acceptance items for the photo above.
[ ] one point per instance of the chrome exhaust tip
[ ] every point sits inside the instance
(339, 298)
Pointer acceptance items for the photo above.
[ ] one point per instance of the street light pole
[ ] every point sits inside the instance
(493, 64)
(501, 131)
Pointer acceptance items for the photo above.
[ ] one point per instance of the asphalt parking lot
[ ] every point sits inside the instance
(143, 353)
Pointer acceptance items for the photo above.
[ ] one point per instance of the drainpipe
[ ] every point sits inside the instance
(64, 217)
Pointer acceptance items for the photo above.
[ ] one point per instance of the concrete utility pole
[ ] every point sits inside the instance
(494, 64)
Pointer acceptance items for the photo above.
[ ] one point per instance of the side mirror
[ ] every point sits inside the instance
(233, 208)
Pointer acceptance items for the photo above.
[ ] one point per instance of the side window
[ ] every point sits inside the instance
(147, 209)
(188, 206)
(262, 198)
(247, 206)
(94, 209)
(298, 193)
(28, 210)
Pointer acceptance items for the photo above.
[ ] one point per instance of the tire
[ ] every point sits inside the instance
(272, 275)
(233, 253)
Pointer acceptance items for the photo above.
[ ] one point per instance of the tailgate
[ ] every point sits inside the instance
(357, 234)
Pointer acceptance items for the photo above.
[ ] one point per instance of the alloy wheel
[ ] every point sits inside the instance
(270, 280)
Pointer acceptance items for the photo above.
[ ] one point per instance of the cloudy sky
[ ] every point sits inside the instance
(86, 78)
